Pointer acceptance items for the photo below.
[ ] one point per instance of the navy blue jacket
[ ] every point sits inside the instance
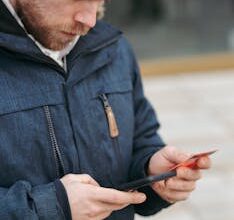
(54, 122)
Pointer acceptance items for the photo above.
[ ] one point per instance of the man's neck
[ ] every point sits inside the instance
(13, 3)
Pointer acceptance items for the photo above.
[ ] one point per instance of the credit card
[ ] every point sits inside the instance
(192, 161)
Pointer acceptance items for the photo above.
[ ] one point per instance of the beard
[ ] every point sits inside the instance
(44, 27)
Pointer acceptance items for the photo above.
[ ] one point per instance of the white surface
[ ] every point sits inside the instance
(197, 112)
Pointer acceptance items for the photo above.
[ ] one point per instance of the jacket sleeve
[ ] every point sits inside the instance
(22, 201)
(146, 142)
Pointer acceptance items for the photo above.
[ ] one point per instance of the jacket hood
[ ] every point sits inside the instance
(8, 24)
(14, 38)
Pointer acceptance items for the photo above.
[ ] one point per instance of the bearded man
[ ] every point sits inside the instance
(74, 121)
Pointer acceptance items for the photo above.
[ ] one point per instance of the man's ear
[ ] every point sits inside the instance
(101, 11)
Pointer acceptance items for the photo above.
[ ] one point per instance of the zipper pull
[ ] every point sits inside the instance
(113, 128)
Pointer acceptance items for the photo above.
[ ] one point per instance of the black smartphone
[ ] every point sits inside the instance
(134, 185)
(190, 162)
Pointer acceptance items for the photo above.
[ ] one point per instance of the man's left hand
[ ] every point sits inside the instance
(180, 187)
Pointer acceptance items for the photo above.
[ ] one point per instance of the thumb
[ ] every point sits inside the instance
(175, 155)
(85, 178)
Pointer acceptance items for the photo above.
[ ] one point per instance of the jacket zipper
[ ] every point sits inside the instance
(60, 168)
(113, 128)
(114, 134)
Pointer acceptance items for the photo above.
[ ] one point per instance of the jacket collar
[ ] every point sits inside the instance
(14, 38)
(8, 24)
(100, 36)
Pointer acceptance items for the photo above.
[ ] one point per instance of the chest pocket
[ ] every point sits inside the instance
(27, 137)
(113, 123)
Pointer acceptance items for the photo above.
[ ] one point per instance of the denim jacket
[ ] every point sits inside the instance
(93, 119)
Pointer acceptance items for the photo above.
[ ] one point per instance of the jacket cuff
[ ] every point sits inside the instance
(46, 202)
(154, 203)
(63, 199)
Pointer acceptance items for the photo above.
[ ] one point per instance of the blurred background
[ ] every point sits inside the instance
(186, 54)
(171, 28)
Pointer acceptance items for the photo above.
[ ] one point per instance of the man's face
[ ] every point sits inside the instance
(56, 23)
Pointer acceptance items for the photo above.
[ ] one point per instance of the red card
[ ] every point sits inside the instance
(192, 161)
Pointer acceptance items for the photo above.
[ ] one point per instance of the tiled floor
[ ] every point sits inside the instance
(197, 112)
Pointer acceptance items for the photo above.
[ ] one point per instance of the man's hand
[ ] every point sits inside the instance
(89, 201)
(180, 187)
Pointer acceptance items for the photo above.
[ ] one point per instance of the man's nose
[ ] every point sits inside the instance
(87, 17)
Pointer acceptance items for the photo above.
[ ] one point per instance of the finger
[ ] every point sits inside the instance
(102, 208)
(175, 155)
(159, 186)
(102, 215)
(118, 197)
(181, 185)
(176, 196)
(169, 195)
(204, 163)
(110, 207)
(188, 174)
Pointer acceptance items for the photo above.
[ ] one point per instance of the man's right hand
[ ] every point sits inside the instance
(89, 201)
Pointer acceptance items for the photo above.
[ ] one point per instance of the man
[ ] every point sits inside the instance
(74, 122)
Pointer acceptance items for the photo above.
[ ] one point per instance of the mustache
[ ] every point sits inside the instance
(78, 29)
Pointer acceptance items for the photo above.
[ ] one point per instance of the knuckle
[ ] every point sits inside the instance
(87, 176)
(97, 210)
(193, 186)
(70, 177)
(91, 215)
(185, 185)
(115, 198)
(137, 198)
(170, 183)
(183, 172)
(188, 173)
(195, 174)
(188, 186)
(204, 162)
(94, 210)
(170, 149)
(184, 197)
(169, 198)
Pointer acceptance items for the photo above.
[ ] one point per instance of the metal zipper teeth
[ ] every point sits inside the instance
(114, 131)
(56, 151)
(113, 128)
